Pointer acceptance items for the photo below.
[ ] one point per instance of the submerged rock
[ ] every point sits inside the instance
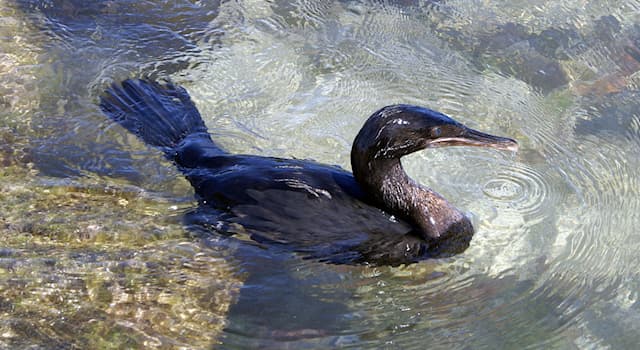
(613, 114)
(77, 46)
(88, 267)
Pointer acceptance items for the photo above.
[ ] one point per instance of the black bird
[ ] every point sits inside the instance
(377, 215)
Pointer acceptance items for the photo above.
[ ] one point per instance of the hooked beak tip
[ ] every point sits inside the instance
(513, 146)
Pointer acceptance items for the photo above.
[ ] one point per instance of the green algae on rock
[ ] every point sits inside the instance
(93, 268)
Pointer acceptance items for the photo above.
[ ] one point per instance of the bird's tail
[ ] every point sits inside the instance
(162, 115)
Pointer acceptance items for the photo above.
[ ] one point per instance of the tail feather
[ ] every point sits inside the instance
(162, 115)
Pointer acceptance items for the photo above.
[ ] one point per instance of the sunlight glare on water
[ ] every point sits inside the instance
(554, 261)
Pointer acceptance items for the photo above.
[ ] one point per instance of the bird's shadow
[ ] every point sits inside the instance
(285, 296)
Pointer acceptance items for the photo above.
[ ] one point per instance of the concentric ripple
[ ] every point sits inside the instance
(521, 187)
(554, 261)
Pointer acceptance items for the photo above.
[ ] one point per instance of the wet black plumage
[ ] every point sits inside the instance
(378, 216)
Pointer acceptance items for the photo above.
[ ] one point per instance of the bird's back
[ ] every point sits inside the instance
(306, 206)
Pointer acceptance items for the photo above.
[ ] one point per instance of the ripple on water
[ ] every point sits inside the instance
(554, 259)
(609, 190)
(539, 255)
(521, 188)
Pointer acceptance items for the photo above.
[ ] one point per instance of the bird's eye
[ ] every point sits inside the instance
(436, 132)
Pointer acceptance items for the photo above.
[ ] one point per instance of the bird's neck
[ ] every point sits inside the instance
(386, 182)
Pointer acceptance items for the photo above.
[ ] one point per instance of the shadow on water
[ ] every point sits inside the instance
(554, 262)
(286, 303)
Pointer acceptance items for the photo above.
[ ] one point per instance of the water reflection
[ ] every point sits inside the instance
(554, 262)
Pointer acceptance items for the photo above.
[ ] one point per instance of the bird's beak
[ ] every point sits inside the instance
(471, 137)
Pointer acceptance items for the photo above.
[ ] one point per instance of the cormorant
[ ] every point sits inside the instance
(377, 215)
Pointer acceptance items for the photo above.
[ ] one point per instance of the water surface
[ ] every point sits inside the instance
(95, 254)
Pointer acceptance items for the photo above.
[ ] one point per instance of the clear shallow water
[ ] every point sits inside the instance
(91, 217)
